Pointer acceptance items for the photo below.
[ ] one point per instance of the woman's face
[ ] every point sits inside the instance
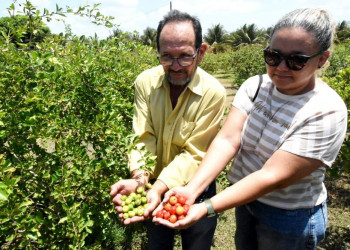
(288, 41)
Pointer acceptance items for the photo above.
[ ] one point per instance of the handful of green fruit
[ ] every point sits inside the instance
(135, 203)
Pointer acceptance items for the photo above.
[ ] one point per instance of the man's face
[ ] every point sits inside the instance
(177, 39)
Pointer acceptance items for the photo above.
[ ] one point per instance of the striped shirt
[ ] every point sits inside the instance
(310, 125)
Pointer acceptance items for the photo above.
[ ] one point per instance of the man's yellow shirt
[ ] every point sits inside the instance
(179, 137)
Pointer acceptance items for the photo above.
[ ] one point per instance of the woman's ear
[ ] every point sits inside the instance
(323, 58)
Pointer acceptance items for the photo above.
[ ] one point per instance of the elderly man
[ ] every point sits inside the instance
(178, 109)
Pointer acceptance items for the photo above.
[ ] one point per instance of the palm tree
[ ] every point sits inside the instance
(116, 33)
(248, 34)
(215, 34)
(149, 37)
(343, 31)
(124, 36)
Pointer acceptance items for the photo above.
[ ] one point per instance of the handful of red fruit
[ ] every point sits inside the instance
(175, 209)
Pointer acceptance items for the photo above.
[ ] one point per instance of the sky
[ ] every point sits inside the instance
(137, 15)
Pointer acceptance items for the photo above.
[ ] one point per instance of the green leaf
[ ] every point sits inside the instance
(3, 194)
(4, 35)
(62, 220)
(32, 237)
(39, 217)
(34, 55)
(26, 204)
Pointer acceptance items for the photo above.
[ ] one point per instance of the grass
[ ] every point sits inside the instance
(226, 228)
(337, 233)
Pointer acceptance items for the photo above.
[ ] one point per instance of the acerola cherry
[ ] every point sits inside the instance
(173, 210)
(167, 206)
(186, 208)
(179, 210)
(181, 200)
(180, 217)
(166, 214)
(159, 214)
(173, 200)
(173, 218)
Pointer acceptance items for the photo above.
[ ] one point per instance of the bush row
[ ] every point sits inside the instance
(65, 117)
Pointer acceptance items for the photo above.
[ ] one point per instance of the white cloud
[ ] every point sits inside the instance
(210, 7)
(42, 3)
(126, 3)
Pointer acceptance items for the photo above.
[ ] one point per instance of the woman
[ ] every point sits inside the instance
(282, 143)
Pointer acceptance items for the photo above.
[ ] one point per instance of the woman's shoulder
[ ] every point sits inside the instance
(326, 96)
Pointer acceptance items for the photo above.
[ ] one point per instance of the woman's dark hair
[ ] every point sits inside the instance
(178, 16)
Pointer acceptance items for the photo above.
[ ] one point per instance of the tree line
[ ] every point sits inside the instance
(221, 40)
(20, 29)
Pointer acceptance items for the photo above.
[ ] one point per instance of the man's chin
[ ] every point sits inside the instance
(178, 82)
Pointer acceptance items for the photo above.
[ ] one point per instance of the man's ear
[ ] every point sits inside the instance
(203, 48)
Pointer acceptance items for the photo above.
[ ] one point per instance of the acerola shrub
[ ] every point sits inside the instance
(341, 84)
(65, 117)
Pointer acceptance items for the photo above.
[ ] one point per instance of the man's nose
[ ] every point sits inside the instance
(175, 64)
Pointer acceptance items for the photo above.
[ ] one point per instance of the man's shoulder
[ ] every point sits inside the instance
(156, 71)
(150, 77)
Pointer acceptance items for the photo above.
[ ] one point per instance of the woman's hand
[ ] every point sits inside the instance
(195, 213)
(181, 191)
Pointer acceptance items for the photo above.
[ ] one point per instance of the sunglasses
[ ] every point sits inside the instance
(293, 61)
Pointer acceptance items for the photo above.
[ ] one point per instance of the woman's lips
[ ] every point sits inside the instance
(282, 77)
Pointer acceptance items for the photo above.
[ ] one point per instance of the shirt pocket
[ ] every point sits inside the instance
(184, 132)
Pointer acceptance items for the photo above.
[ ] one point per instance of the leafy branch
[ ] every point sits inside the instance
(91, 12)
(35, 19)
(147, 158)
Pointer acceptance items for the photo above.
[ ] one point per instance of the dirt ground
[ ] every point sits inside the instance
(229, 86)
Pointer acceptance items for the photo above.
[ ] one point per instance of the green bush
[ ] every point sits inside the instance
(215, 63)
(339, 59)
(341, 84)
(16, 30)
(65, 118)
(243, 63)
(247, 61)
